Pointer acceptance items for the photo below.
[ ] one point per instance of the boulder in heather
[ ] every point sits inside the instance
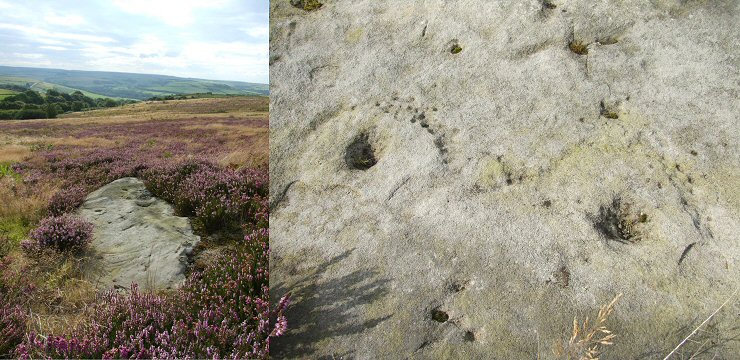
(136, 238)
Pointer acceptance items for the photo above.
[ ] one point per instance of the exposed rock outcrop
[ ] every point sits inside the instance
(137, 238)
(462, 178)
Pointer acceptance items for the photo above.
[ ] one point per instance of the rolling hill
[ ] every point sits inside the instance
(122, 85)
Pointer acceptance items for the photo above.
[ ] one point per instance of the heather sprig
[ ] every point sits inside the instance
(12, 328)
(62, 233)
(164, 179)
(16, 287)
(220, 196)
(67, 200)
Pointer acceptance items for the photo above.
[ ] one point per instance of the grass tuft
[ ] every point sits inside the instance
(578, 47)
(589, 339)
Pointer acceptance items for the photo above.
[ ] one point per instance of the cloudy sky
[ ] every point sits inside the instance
(207, 39)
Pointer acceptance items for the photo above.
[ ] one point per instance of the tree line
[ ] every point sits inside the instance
(30, 104)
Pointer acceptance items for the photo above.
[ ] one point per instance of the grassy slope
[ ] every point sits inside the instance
(42, 86)
(5, 93)
(125, 85)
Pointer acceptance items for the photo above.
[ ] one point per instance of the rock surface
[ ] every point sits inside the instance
(460, 179)
(137, 238)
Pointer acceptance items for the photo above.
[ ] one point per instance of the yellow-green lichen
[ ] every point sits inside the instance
(492, 173)
(354, 36)
(307, 5)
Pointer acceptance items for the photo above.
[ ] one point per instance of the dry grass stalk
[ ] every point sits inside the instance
(699, 327)
(587, 341)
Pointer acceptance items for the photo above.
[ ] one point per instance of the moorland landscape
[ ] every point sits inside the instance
(161, 171)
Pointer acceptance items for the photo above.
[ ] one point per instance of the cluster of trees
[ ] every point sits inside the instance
(182, 96)
(30, 104)
(17, 88)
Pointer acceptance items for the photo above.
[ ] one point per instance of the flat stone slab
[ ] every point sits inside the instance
(137, 238)
(460, 179)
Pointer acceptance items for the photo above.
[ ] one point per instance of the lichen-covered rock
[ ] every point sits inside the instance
(462, 178)
(136, 238)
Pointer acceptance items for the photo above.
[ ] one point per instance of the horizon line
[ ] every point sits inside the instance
(135, 73)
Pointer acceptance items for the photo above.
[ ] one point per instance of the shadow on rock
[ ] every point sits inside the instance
(326, 306)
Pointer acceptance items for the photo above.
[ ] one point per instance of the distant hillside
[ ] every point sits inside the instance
(123, 85)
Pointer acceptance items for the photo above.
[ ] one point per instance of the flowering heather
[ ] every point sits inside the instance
(67, 200)
(89, 168)
(63, 233)
(12, 328)
(217, 196)
(164, 179)
(16, 284)
(15, 287)
(220, 312)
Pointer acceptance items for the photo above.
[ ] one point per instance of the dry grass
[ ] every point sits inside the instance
(254, 153)
(72, 141)
(233, 130)
(21, 201)
(60, 297)
(702, 345)
(13, 153)
(255, 157)
(20, 148)
(587, 341)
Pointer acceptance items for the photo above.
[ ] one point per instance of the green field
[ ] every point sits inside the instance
(97, 84)
(5, 93)
(42, 86)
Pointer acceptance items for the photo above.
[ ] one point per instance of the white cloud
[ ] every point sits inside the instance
(148, 46)
(29, 56)
(172, 12)
(29, 62)
(225, 60)
(54, 36)
(222, 60)
(225, 53)
(27, 59)
(64, 20)
(51, 47)
(4, 5)
(52, 42)
(257, 31)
